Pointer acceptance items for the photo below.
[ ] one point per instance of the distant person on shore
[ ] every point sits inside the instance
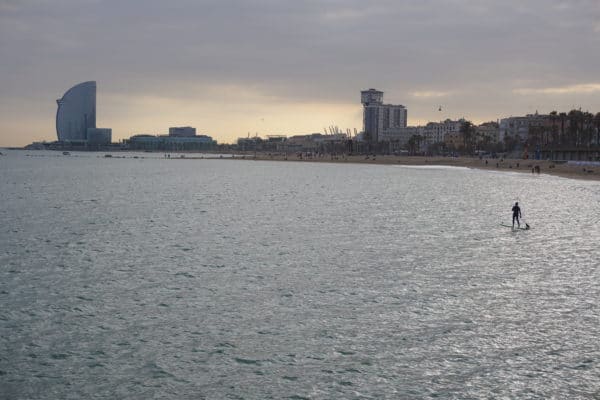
(516, 210)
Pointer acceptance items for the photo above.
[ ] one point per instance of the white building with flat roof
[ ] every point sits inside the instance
(518, 127)
(435, 132)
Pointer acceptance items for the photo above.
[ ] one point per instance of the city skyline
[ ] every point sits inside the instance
(266, 67)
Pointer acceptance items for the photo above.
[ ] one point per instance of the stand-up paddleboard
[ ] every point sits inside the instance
(523, 228)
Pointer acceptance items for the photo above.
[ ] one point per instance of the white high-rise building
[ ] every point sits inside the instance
(381, 121)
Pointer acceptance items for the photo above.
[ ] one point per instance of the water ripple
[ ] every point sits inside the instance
(239, 279)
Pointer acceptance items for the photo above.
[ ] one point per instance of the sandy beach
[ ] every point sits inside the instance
(563, 169)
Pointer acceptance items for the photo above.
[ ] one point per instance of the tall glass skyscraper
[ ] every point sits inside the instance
(76, 112)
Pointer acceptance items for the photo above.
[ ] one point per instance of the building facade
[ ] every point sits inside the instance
(433, 132)
(182, 131)
(518, 127)
(454, 141)
(380, 120)
(436, 132)
(170, 143)
(99, 136)
(487, 132)
(76, 112)
(401, 136)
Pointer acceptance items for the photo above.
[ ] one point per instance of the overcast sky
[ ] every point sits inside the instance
(230, 68)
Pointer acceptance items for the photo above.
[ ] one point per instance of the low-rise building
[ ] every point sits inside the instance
(436, 132)
(255, 143)
(182, 131)
(401, 136)
(488, 132)
(303, 143)
(314, 142)
(454, 140)
(519, 127)
(99, 136)
(170, 143)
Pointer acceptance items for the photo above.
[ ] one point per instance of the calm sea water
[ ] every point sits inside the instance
(220, 279)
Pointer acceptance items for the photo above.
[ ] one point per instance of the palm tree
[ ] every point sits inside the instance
(468, 131)
(597, 123)
(589, 128)
(563, 118)
(535, 135)
(414, 144)
(484, 143)
(572, 127)
(510, 143)
(553, 118)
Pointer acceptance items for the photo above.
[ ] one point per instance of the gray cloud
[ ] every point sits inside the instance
(322, 51)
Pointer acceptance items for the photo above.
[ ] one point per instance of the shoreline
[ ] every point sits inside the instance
(546, 167)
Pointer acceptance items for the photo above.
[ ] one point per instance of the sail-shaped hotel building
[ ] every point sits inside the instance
(76, 113)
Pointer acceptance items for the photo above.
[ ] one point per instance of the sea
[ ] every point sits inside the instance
(143, 277)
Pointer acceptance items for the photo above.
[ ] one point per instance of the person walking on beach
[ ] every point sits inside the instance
(516, 210)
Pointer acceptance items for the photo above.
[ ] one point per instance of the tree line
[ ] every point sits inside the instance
(575, 129)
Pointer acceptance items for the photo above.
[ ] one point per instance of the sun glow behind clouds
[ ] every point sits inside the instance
(583, 88)
(429, 94)
(225, 115)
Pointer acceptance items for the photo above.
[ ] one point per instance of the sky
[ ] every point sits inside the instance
(233, 68)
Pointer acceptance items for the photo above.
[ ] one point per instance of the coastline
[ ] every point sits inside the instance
(546, 167)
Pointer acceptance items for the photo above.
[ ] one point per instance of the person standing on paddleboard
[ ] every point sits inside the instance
(516, 215)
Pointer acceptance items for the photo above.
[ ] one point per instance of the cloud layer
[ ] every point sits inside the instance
(230, 66)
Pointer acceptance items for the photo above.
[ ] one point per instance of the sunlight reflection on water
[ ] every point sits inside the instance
(246, 279)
